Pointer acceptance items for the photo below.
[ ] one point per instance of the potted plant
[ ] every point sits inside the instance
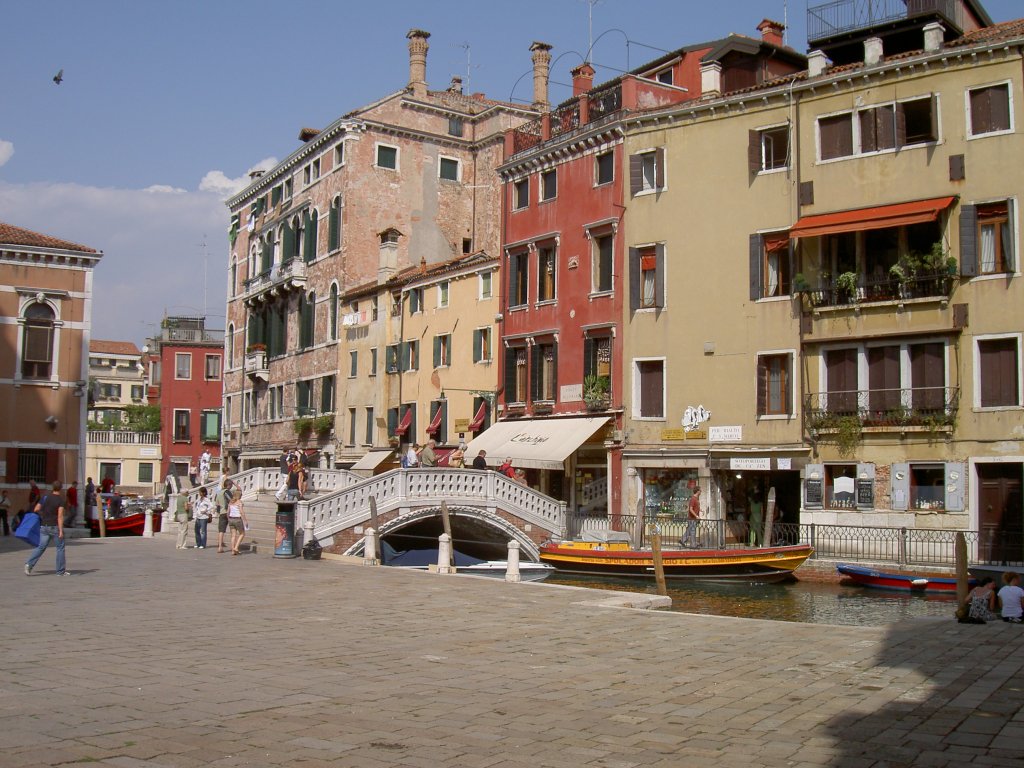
(595, 391)
(302, 425)
(254, 348)
(846, 287)
(323, 424)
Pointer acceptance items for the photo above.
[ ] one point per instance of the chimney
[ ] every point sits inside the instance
(817, 63)
(308, 134)
(255, 173)
(388, 258)
(934, 35)
(582, 78)
(711, 79)
(456, 86)
(772, 32)
(872, 51)
(541, 68)
(418, 46)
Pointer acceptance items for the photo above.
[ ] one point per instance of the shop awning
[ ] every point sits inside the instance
(480, 418)
(535, 443)
(877, 217)
(372, 460)
(435, 423)
(406, 422)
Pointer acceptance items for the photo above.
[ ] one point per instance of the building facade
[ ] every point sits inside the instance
(46, 306)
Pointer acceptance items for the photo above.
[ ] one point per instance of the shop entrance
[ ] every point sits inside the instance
(745, 495)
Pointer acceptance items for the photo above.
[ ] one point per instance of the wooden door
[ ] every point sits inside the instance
(1000, 515)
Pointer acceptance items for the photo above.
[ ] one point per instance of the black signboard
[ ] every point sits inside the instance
(866, 493)
(812, 492)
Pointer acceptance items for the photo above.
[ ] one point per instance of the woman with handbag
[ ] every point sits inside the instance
(237, 521)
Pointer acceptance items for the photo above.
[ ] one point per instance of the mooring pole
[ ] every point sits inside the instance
(659, 566)
(373, 524)
(448, 530)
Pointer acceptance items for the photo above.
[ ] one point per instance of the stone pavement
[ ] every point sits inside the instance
(152, 657)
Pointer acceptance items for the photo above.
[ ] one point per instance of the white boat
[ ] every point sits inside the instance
(425, 559)
(499, 568)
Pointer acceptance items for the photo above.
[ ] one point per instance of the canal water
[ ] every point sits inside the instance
(804, 601)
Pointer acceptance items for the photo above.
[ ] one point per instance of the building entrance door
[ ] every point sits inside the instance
(1000, 516)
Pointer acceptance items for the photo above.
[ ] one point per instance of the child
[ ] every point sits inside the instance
(1010, 597)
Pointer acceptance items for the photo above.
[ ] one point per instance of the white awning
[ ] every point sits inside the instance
(372, 460)
(535, 443)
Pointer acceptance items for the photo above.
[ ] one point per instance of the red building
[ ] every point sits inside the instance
(186, 381)
(566, 184)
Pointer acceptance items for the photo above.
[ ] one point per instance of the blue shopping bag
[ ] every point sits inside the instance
(28, 529)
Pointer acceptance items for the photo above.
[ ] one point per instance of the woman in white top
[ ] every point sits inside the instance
(237, 521)
(202, 513)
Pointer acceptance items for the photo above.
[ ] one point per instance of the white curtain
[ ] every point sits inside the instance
(988, 248)
(773, 273)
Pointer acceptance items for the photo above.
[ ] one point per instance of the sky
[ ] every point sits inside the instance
(165, 107)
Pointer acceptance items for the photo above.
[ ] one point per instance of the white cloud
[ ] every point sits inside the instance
(152, 242)
(6, 151)
(223, 185)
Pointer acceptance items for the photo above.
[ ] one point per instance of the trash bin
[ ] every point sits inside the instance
(284, 530)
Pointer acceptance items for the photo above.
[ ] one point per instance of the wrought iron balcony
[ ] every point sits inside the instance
(931, 408)
(843, 16)
(566, 118)
(280, 279)
(837, 292)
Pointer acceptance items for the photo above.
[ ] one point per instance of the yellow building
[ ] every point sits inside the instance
(825, 291)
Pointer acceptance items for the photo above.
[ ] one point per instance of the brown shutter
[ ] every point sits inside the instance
(968, 240)
(636, 174)
(806, 193)
(754, 152)
(999, 107)
(12, 465)
(756, 262)
(659, 275)
(659, 168)
(634, 279)
(52, 465)
(762, 387)
(900, 126)
(957, 168)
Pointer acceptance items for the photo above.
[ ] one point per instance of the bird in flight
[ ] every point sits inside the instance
(58, 77)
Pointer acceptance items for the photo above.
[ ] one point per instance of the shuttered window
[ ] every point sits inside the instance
(990, 109)
(774, 384)
(999, 372)
(835, 135)
(650, 389)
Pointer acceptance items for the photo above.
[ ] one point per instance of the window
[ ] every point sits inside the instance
(32, 465)
(665, 76)
(303, 398)
(994, 244)
(37, 342)
(771, 265)
(327, 394)
(410, 355)
(448, 169)
(351, 426)
(649, 389)
(353, 363)
(768, 149)
(467, 245)
(481, 345)
(212, 367)
(442, 294)
(485, 284)
(138, 391)
(145, 472)
(775, 384)
(840, 486)
(877, 128)
(307, 313)
(370, 423)
(334, 225)
(548, 185)
(604, 168)
(415, 301)
(374, 309)
(438, 416)
(110, 391)
(998, 372)
(647, 171)
(112, 470)
(835, 136)
(183, 365)
(597, 360)
(209, 426)
(647, 277)
(387, 157)
(601, 263)
(443, 351)
(518, 281)
(334, 312)
(391, 358)
(309, 235)
(182, 425)
(516, 375)
(288, 189)
(339, 155)
(989, 109)
(547, 269)
(275, 195)
(275, 403)
(373, 361)
(455, 126)
(544, 377)
(521, 195)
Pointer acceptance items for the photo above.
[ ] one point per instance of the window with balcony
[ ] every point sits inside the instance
(647, 277)
(647, 171)
(998, 375)
(990, 110)
(547, 271)
(518, 280)
(649, 389)
(604, 168)
(183, 366)
(549, 185)
(481, 345)
(544, 366)
(768, 149)
(775, 384)
(521, 194)
(516, 375)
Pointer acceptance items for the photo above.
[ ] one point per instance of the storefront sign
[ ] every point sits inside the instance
(866, 493)
(812, 492)
(786, 463)
(461, 425)
(697, 434)
(673, 434)
(758, 464)
(725, 434)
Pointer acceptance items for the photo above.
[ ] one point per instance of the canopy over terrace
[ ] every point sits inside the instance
(535, 443)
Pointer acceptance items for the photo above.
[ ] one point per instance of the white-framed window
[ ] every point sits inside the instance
(212, 369)
(768, 149)
(649, 389)
(549, 184)
(442, 294)
(449, 169)
(547, 272)
(443, 350)
(183, 366)
(647, 171)
(878, 128)
(997, 371)
(275, 403)
(486, 285)
(288, 186)
(989, 110)
(229, 345)
(38, 329)
(182, 425)
(521, 194)
(664, 76)
(604, 168)
(386, 156)
(647, 277)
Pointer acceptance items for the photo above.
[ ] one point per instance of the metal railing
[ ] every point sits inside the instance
(899, 546)
(526, 136)
(565, 119)
(924, 286)
(606, 102)
(934, 407)
(839, 16)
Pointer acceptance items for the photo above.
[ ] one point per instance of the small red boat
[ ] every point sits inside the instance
(904, 582)
(127, 516)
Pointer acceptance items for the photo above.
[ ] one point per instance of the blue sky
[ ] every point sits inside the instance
(165, 106)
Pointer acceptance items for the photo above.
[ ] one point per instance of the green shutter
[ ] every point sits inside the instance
(477, 345)
(333, 220)
(437, 351)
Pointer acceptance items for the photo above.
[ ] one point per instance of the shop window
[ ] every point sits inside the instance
(841, 486)
(927, 486)
(668, 491)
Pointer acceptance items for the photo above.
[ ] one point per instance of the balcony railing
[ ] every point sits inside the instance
(256, 365)
(934, 408)
(565, 119)
(606, 102)
(122, 437)
(840, 16)
(291, 274)
(834, 294)
(526, 135)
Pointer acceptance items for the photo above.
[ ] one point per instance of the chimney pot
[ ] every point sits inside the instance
(541, 55)
(418, 47)
(873, 52)
(934, 36)
(582, 78)
(817, 63)
(772, 32)
(711, 79)
(456, 86)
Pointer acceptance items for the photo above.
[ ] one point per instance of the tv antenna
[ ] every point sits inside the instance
(203, 246)
(590, 25)
(469, 66)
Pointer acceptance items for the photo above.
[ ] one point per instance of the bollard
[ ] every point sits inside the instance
(512, 571)
(307, 532)
(369, 547)
(444, 554)
(147, 530)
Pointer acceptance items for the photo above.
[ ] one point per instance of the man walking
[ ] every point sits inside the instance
(90, 499)
(51, 526)
(223, 500)
(72, 506)
(693, 518)
(183, 515)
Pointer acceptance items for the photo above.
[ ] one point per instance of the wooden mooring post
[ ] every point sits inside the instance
(659, 566)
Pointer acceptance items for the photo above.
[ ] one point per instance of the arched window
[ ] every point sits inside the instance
(334, 312)
(230, 351)
(37, 342)
(309, 223)
(334, 225)
(307, 315)
(233, 284)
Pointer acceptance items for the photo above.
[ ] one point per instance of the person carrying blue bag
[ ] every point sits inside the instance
(51, 526)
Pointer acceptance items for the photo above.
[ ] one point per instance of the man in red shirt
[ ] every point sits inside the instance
(72, 499)
(107, 486)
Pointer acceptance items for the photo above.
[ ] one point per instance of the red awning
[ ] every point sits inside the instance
(406, 422)
(435, 423)
(478, 420)
(778, 241)
(878, 217)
